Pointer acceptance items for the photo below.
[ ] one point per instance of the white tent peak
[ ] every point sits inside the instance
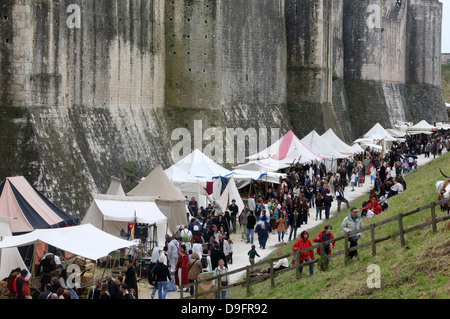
(200, 166)
(157, 183)
(331, 138)
(115, 187)
(320, 146)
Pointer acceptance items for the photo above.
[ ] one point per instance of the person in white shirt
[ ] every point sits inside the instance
(397, 188)
(353, 179)
(373, 174)
(281, 264)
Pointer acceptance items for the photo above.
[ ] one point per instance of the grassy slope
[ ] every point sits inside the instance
(446, 82)
(420, 270)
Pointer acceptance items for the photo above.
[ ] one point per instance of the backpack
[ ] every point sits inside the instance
(186, 236)
(204, 261)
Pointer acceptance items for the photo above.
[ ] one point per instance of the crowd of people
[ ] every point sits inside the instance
(204, 245)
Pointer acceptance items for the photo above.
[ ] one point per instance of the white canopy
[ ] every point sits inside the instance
(202, 167)
(241, 175)
(332, 139)
(264, 165)
(113, 213)
(9, 257)
(377, 135)
(290, 149)
(85, 240)
(357, 148)
(396, 133)
(422, 126)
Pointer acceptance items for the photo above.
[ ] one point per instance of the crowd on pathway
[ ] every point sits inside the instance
(204, 245)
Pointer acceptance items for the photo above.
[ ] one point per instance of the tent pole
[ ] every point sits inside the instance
(106, 267)
(33, 266)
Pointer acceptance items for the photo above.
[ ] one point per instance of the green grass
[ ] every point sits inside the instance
(445, 79)
(417, 271)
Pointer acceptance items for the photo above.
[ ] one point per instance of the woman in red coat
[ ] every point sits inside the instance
(182, 270)
(302, 243)
(325, 235)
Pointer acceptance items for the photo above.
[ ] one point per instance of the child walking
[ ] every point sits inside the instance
(252, 254)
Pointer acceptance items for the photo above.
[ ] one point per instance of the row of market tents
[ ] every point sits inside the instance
(160, 200)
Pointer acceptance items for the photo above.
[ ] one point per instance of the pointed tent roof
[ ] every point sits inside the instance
(31, 210)
(171, 201)
(320, 146)
(201, 166)
(289, 149)
(231, 192)
(115, 188)
(422, 126)
(331, 138)
(377, 132)
(158, 184)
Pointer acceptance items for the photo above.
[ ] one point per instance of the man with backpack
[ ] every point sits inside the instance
(186, 237)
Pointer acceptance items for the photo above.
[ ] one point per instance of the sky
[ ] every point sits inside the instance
(446, 27)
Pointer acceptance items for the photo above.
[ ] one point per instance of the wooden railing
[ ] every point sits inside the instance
(247, 281)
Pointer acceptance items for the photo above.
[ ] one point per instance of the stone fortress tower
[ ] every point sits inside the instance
(80, 103)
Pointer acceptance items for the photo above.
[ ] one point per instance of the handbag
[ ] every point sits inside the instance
(224, 283)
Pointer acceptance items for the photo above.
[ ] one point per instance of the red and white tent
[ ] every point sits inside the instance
(289, 149)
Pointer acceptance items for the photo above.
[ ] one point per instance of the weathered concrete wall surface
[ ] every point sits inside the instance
(394, 55)
(81, 104)
(83, 101)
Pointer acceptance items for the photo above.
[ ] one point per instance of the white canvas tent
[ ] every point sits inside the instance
(377, 135)
(189, 186)
(421, 128)
(244, 177)
(202, 167)
(332, 139)
(170, 199)
(115, 187)
(264, 165)
(290, 149)
(113, 213)
(231, 192)
(321, 147)
(85, 240)
(9, 257)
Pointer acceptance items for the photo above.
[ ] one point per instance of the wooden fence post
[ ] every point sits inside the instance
(272, 274)
(346, 248)
(372, 239)
(297, 263)
(248, 280)
(400, 228)
(433, 216)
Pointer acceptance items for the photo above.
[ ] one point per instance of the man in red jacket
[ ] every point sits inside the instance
(325, 235)
(302, 243)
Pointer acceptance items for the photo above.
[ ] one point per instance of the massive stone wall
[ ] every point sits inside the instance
(81, 104)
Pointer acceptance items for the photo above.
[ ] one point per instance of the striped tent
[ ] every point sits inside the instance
(29, 209)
